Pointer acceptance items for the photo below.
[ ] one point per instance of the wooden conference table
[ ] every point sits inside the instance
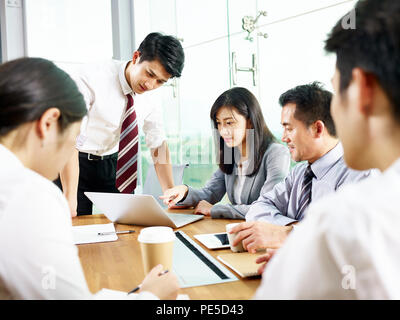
(118, 265)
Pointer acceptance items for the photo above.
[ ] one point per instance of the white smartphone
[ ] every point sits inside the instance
(214, 240)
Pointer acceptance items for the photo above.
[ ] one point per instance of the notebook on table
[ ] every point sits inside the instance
(243, 263)
(90, 233)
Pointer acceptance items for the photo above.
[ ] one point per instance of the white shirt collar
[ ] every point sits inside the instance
(9, 159)
(126, 89)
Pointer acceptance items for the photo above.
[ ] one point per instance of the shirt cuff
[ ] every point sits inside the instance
(278, 219)
(284, 221)
(154, 141)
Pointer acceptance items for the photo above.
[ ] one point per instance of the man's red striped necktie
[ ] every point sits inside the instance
(128, 150)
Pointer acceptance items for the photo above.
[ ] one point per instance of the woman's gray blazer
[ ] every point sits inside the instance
(273, 169)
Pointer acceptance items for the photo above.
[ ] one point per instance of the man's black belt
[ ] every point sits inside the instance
(92, 157)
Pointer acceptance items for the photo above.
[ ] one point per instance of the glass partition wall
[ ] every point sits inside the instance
(69, 31)
(265, 46)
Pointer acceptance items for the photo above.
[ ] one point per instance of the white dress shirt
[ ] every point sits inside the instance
(38, 258)
(104, 88)
(347, 247)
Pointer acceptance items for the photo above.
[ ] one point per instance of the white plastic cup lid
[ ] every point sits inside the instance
(230, 226)
(156, 235)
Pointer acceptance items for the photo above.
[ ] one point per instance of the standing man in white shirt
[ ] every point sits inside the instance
(107, 147)
(347, 246)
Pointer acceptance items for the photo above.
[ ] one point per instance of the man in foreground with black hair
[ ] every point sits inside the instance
(347, 246)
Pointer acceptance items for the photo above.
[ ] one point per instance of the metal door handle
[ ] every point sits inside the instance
(253, 69)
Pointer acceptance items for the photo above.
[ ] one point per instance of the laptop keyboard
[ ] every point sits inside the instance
(182, 219)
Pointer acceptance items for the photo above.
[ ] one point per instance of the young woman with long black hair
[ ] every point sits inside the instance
(250, 159)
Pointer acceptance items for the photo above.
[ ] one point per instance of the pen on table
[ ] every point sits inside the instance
(114, 232)
(140, 285)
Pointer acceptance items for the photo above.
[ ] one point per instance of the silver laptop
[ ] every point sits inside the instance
(138, 209)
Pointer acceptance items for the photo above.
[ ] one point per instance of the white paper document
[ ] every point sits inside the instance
(108, 294)
(90, 233)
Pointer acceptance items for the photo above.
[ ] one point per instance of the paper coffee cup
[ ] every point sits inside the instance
(156, 244)
(232, 236)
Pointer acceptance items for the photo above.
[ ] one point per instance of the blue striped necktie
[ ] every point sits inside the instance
(305, 195)
(128, 149)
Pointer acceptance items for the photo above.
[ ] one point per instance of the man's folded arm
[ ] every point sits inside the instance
(272, 206)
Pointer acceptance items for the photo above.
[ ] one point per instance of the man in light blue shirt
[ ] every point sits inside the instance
(310, 135)
(282, 206)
